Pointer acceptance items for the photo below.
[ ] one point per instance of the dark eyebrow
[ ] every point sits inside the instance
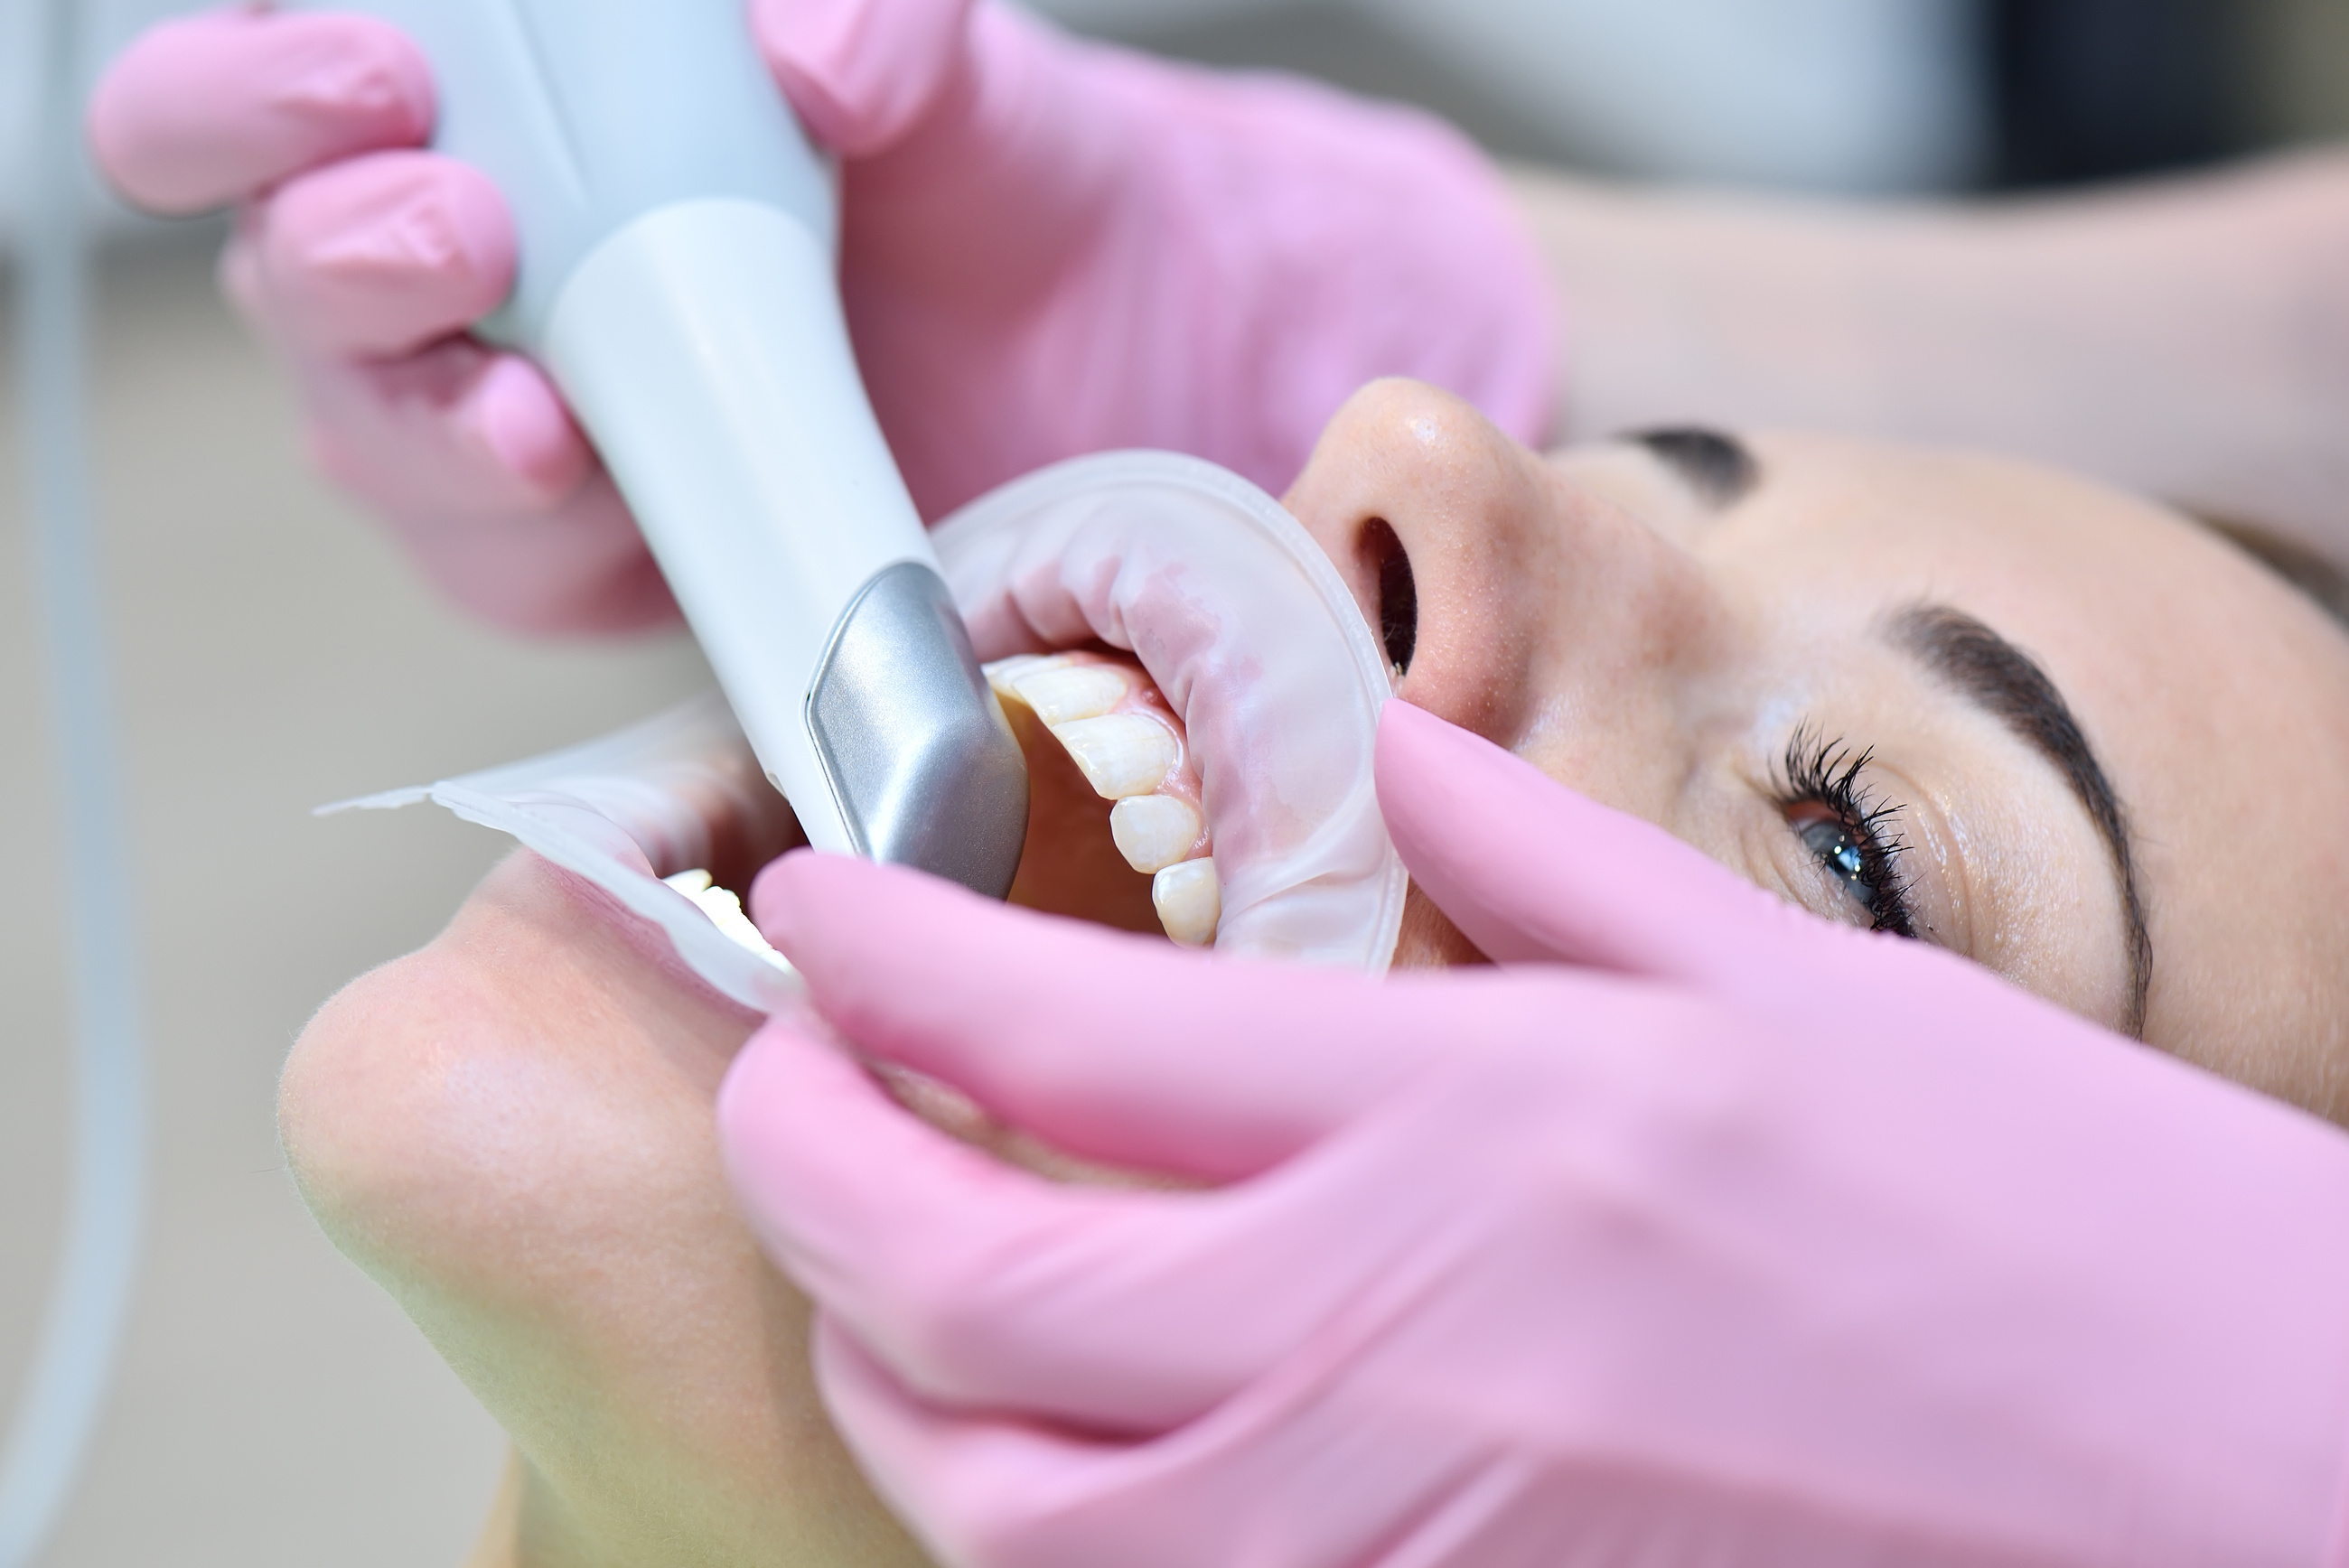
(1720, 468)
(2006, 682)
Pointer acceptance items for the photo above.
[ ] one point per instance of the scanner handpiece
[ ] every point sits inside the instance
(678, 279)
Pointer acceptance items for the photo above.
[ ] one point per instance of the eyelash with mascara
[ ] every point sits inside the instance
(1851, 836)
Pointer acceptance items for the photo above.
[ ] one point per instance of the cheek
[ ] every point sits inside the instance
(1654, 707)
(1429, 940)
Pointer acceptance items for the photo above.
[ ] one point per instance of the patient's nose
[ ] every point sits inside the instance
(1517, 602)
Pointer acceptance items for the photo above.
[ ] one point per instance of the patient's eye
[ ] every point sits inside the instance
(1845, 828)
(1840, 853)
(1830, 839)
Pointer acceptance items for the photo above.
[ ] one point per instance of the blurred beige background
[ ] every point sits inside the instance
(272, 653)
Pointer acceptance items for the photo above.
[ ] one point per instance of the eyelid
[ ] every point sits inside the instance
(1831, 774)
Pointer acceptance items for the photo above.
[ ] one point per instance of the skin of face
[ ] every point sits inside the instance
(511, 1129)
(1592, 613)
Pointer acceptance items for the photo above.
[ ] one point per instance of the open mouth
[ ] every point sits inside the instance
(1196, 692)
(1240, 683)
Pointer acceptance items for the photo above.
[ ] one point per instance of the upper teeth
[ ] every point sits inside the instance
(1153, 832)
(1104, 716)
(1188, 901)
(1120, 754)
(1071, 691)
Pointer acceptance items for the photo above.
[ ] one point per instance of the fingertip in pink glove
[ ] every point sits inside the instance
(209, 110)
(1048, 248)
(361, 260)
(1706, 1233)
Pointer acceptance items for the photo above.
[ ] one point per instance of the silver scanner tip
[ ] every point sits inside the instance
(922, 764)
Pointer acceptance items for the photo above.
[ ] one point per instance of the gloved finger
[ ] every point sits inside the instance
(1109, 1047)
(472, 459)
(581, 569)
(861, 73)
(1532, 872)
(456, 432)
(210, 109)
(987, 1287)
(377, 255)
(990, 1490)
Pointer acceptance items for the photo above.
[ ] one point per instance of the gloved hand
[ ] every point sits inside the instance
(1048, 248)
(1704, 1232)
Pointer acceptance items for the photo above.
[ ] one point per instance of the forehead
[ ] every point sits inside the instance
(2216, 695)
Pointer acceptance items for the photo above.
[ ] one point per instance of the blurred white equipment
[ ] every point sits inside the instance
(1865, 97)
(73, 1362)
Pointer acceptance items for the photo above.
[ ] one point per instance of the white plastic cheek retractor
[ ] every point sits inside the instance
(651, 789)
(677, 280)
(1246, 630)
(1238, 618)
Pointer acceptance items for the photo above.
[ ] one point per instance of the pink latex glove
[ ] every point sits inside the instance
(1048, 248)
(1746, 1239)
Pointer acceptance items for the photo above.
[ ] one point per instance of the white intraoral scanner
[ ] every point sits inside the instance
(677, 281)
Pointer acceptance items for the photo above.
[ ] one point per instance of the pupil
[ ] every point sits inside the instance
(1840, 853)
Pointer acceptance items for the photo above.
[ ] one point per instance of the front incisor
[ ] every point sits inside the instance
(1120, 754)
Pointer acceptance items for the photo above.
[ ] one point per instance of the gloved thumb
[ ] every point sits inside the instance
(861, 73)
(1532, 872)
(1107, 1047)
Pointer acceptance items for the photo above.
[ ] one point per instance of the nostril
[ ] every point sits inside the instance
(1398, 591)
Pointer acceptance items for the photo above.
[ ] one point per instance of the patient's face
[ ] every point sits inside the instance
(1706, 635)
(512, 1129)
